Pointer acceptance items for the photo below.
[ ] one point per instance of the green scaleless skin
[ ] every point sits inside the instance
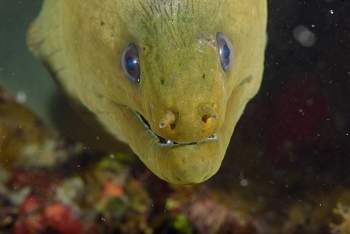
(81, 42)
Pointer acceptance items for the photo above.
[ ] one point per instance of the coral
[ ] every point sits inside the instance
(344, 227)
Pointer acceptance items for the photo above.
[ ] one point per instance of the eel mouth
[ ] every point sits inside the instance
(167, 142)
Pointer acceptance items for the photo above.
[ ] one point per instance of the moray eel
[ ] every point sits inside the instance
(168, 77)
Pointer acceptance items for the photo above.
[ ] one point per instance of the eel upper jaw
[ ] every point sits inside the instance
(166, 142)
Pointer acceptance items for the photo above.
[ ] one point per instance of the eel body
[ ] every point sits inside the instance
(179, 111)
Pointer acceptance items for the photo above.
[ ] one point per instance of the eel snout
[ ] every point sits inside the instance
(189, 125)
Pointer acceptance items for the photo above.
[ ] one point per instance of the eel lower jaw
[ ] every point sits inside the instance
(166, 142)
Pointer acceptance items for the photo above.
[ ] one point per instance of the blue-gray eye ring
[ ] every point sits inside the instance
(130, 62)
(226, 51)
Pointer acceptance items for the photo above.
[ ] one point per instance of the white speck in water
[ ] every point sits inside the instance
(111, 156)
(244, 182)
(309, 102)
(312, 25)
(287, 144)
(103, 219)
(331, 11)
(304, 36)
(97, 137)
(21, 97)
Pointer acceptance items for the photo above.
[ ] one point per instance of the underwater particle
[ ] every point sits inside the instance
(288, 144)
(21, 97)
(304, 36)
(261, 199)
(244, 182)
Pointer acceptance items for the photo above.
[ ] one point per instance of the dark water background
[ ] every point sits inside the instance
(19, 70)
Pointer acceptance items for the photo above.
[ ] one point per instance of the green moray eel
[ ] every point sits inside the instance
(168, 77)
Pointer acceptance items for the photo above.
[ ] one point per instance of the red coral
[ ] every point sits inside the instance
(40, 181)
(30, 219)
(30, 204)
(62, 219)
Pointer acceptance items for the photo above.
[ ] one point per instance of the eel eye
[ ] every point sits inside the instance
(225, 51)
(130, 62)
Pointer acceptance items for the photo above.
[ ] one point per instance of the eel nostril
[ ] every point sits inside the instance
(207, 112)
(205, 119)
(168, 118)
